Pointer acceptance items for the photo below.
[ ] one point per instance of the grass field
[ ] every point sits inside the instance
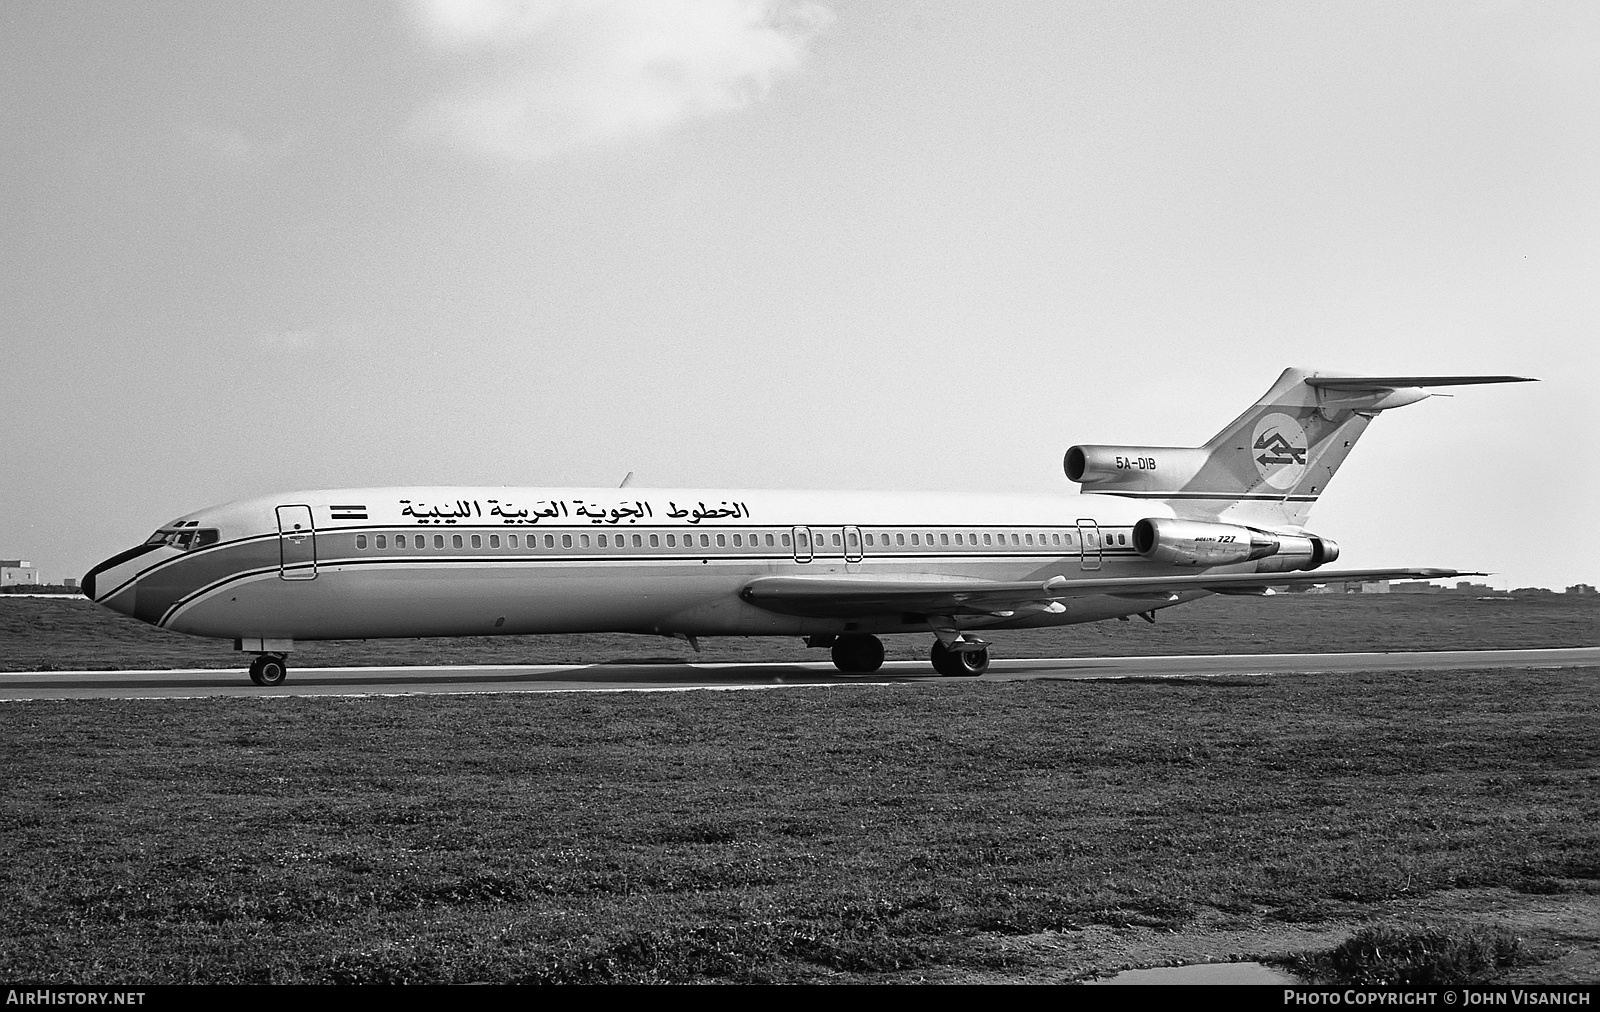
(72, 634)
(867, 833)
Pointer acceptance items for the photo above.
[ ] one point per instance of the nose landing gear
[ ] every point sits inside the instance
(269, 669)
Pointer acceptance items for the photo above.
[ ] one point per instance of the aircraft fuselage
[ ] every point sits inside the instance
(393, 562)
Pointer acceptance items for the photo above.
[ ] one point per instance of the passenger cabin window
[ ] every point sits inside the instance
(361, 541)
(494, 541)
(477, 541)
(455, 541)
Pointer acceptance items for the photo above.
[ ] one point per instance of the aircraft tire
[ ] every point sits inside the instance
(958, 664)
(269, 670)
(858, 654)
(972, 663)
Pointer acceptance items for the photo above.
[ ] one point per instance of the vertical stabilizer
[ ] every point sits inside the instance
(1271, 463)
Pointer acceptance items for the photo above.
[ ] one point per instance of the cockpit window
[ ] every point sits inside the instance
(185, 537)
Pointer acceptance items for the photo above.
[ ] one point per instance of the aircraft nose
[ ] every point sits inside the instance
(115, 577)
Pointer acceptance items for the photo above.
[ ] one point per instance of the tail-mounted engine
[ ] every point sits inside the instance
(1199, 543)
(1133, 468)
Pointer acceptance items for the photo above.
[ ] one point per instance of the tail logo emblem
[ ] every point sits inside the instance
(1279, 450)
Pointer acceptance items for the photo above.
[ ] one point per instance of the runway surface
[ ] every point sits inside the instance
(637, 676)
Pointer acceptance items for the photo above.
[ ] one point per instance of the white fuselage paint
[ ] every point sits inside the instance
(342, 576)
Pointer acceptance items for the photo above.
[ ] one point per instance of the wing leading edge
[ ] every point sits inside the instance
(843, 597)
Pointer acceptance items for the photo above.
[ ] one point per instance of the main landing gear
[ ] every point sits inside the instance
(954, 661)
(857, 653)
(269, 669)
(860, 654)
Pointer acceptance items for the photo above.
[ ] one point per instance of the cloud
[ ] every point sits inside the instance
(238, 148)
(551, 75)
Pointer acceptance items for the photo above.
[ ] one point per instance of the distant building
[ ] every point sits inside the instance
(1375, 587)
(18, 572)
(1582, 589)
(1416, 587)
(1467, 587)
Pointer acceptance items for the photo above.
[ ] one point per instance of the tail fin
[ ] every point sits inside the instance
(1272, 462)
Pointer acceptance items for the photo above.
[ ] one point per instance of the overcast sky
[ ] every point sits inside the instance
(272, 246)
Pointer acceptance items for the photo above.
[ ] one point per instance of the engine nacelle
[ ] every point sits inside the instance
(1203, 543)
(1199, 543)
(1133, 468)
(1299, 551)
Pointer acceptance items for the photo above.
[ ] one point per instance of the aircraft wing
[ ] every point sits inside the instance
(849, 597)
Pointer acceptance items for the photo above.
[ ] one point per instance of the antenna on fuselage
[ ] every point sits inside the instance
(626, 480)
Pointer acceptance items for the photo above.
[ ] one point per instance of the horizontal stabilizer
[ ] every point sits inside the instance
(1374, 383)
(844, 597)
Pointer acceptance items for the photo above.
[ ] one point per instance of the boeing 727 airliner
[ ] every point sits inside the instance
(1152, 527)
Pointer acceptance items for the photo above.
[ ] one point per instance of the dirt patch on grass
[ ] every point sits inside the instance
(1562, 932)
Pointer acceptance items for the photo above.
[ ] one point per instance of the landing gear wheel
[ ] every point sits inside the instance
(858, 654)
(959, 663)
(269, 669)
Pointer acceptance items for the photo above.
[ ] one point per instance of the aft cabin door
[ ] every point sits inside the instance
(297, 544)
(852, 550)
(802, 544)
(1088, 544)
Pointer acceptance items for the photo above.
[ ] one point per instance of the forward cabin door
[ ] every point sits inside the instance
(297, 544)
(1088, 544)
